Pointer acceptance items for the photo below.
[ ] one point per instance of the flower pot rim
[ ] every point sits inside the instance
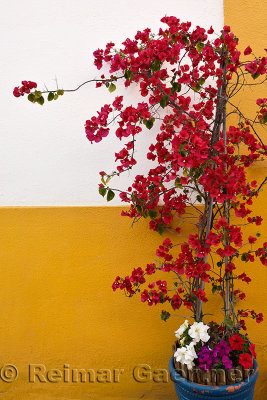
(219, 390)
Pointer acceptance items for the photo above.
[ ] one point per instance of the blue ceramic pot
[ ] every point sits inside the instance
(187, 390)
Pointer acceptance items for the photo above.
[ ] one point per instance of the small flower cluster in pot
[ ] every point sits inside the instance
(198, 348)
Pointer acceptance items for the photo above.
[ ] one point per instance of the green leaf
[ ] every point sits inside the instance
(201, 81)
(173, 38)
(199, 46)
(50, 96)
(181, 150)
(37, 94)
(176, 87)
(128, 74)
(152, 214)
(55, 96)
(110, 195)
(145, 213)
(196, 88)
(149, 123)
(185, 40)
(102, 190)
(155, 65)
(165, 315)
(216, 288)
(161, 299)
(60, 92)
(177, 183)
(112, 87)
(31, 97)
(199, 198)
(139, 208)
(255, 76)
(263, 119)
(160, 229)
(244, 257)
(164, 101)
(40, 100)
(228, 322)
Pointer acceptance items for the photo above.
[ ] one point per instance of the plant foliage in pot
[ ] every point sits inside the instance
(188, 79)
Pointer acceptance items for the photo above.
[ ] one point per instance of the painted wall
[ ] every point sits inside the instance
(248, 21)
(45, 158)
(58, 263)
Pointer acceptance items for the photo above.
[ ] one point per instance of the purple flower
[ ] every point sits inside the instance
(208, 357)
(227, 362)
(221, 349)
(205, 358)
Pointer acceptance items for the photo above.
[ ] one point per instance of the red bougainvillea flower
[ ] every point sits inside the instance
(176, 302)
(25, 88)
(245, 360)
(248, 51)
(258, 317)
(252, 239)
(236, 342)
(252, 350)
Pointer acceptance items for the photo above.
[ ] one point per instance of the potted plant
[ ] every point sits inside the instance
(188, 78)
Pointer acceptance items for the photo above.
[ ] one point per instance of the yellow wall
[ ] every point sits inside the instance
(58, 307)
(248, 21)
(57, 267)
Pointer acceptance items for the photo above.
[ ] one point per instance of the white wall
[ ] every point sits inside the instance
(45, 158)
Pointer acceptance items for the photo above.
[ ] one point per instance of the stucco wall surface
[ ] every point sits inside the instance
(58, 263)
(248, 21)
(45, 158)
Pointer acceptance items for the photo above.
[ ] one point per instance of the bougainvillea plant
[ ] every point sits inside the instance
(188, 78)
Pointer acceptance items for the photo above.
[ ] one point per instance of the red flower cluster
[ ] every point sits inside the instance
(239, 344)
(26, 87)
(96, 127)
(256, 67)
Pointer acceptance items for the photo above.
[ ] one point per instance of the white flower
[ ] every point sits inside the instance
(180, 355)
(190, 365)
(191, 352)
(186, 355)
(199, 331)
(181, 330)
